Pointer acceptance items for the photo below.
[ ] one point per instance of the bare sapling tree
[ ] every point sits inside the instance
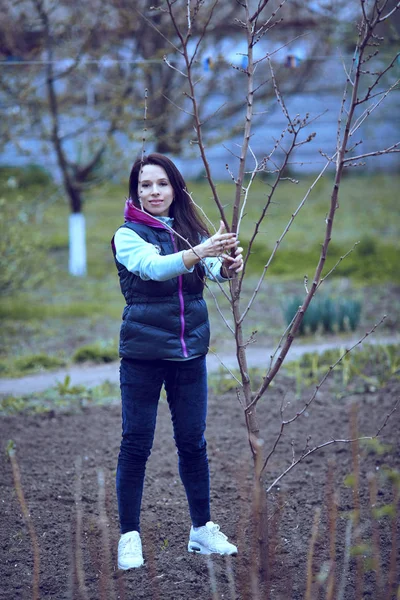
(363, 94)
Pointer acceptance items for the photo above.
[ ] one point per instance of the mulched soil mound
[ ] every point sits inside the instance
(63, 457)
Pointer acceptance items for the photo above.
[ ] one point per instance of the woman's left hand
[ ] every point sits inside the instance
(233, 264)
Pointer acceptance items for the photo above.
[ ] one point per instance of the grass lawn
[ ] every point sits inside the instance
(65, 312)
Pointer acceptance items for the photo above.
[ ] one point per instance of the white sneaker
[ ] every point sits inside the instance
(209, 539)
(130, 554)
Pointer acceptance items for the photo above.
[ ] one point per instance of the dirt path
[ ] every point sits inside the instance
(93, 375)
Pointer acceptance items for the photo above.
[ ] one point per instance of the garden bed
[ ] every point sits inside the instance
(51, 449)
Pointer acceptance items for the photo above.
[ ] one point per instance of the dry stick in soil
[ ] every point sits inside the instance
(243, 535)
(77, 555)
(107, 591)
(27, 518)
(230, 576)
(213, 579)
(310, 556)
(259, 564)
(332, 504)
(152, 566)
(346, 560)
(356, 501)
(373, 496)
(394, 549)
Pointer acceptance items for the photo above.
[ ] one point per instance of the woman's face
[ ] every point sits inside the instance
(155, 191)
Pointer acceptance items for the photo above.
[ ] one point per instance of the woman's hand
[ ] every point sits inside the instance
(232, 264)
(218, 244)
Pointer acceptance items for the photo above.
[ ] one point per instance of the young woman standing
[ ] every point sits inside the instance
(164, 340)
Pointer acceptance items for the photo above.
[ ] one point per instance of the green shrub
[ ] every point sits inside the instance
(16, 309)
(29, 363)
(4, 368)
(33, 362)
(98, 353)
(325, 313)
(371, 261)
(25, 261)
(24, 177)
(348, 314)
(367, 246)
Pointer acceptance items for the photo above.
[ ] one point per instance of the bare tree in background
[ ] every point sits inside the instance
(58, 98)
(151, 35)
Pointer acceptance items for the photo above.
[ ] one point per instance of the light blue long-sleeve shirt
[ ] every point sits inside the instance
(143, 259)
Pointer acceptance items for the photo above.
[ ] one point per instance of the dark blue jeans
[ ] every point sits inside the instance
(186, 386)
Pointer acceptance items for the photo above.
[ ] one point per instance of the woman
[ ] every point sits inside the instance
(164, 339)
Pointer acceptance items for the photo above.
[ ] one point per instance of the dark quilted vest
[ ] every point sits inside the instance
(161, 319)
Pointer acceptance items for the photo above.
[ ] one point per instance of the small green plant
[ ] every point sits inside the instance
(376, 365)
(375, 446)
(10, 405)
(60, 398)
(372, 367)
(165, 544)
(222, 382)
(98, 353)
(64, 387)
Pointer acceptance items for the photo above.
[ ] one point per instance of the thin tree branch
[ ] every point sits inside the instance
(227, 368)
(336, 265)
(390, 149)
(158, 30)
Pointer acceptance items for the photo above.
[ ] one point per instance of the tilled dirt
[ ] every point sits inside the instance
(63, 457)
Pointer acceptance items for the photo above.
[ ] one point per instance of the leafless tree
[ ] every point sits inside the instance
(154, 37)
(364, 92)
(54, 94)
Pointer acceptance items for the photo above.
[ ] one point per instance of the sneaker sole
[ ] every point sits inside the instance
(131, 567)
(196, 548)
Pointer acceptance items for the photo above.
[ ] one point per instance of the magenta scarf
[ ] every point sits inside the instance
(135, 215)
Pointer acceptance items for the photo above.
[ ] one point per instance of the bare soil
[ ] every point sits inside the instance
(51, 447)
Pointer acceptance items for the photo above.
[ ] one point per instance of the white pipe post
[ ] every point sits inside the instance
(77, 244)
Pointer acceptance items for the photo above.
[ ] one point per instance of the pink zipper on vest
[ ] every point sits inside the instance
(181, 304)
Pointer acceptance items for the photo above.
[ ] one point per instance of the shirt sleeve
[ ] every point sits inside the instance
(213, 269)
(142, 258)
